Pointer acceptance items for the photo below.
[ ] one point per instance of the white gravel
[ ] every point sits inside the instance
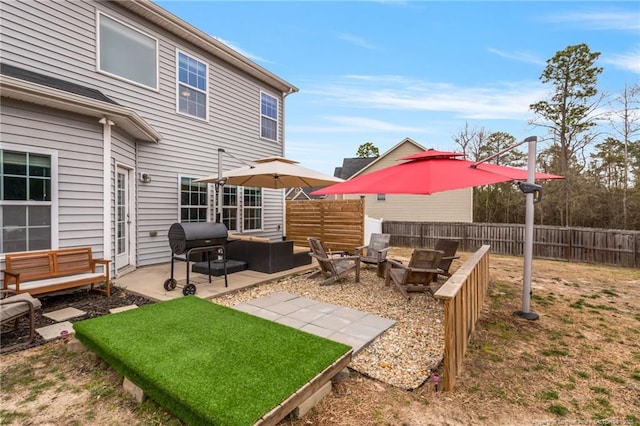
(405, 354)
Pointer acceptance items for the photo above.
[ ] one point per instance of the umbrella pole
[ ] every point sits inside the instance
(219, 188)
(528, 235)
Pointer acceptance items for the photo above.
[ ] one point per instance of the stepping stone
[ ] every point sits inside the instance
(64, 314)
(122, 309)
(55, 331)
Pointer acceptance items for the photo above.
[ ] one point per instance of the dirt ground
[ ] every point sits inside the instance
(578, 364)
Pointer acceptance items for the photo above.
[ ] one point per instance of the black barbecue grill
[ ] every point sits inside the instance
(189, 239)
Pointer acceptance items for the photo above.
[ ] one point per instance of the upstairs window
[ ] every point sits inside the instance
(268, 117)
(192, 86)
(193, 200)
(126, 52)
(26, 200)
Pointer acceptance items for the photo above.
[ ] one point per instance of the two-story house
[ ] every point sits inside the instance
(109, 111)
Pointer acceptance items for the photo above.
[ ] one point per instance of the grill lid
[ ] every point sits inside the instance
(185, 236)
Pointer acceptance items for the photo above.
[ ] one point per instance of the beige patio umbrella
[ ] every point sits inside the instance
(274, 173)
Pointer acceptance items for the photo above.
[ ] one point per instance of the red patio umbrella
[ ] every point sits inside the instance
(435, 171)
(429, 172)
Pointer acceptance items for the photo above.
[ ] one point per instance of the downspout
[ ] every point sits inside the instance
(106, 187)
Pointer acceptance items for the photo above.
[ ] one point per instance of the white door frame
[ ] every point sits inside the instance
(126, 258)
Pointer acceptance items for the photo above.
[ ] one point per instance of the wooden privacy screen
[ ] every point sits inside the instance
(339, 224)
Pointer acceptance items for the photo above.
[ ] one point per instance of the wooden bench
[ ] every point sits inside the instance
(47, 271)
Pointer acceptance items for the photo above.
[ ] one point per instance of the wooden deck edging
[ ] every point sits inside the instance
(463, 295)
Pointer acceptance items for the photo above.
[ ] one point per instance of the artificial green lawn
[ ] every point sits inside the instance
(206, 363)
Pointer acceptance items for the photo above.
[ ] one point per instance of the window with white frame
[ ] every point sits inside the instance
(252, 209)
(26, 200)
(230, 207)
(193, 200)
(248, 210)
(127, 52)
(268, 116)
(192, 86)
(381, 197)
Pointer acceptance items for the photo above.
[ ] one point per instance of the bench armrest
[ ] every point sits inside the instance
(11, 273)
(95, 262)
(16, 279)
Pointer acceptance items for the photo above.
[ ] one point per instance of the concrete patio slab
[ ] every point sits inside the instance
(54, 331)
(122, 309)
(148, 281)
(64, 314)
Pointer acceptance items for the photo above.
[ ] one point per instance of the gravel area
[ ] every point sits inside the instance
(403, 356)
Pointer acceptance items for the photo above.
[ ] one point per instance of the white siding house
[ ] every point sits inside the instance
(109, 110)
(449, 206)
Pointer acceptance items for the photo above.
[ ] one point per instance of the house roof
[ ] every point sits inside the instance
(41, 89)
(53, 82)
(163, 18)
(350, 166)
(386, 154)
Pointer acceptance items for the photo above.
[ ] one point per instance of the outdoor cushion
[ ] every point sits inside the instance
(10, 309)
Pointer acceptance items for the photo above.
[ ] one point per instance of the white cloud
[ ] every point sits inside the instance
(500, 101)
(355, 40)
(519, 56)
(607, 20)
(243, 52)
(629, 61)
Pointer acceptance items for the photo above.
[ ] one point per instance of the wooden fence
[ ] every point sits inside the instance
(339, 224)
(463, 295)
(590, 245)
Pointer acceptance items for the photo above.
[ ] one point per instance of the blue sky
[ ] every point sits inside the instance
(380, 71)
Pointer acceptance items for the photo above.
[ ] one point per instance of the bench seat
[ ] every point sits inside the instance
(48, 271)
(65, 281)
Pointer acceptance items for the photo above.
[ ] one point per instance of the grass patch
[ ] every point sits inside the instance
(558, 409)
(8, 417)
(581, 374)
(598, 389)
(555, 352)
(206, 363)
(549, 395)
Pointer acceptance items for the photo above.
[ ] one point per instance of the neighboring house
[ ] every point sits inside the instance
(109, 111)
(297, 194)
(303, 193)
(449, 206)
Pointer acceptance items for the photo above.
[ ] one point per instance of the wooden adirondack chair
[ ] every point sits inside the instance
(333, 268)
(418, 274)
(449, 247)
(376, 252)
